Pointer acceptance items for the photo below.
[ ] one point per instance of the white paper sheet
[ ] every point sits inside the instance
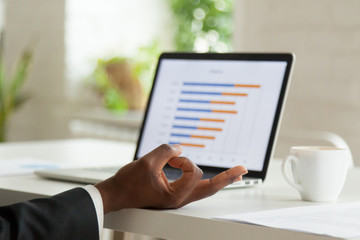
(337, 220)
(22, 166)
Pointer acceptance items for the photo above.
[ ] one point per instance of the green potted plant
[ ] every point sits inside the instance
(123, 82)
(10, 96)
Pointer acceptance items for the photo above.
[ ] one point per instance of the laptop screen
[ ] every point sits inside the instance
(222, 111)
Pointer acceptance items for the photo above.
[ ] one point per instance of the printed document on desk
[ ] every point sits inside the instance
(27, 165)
(337, 220)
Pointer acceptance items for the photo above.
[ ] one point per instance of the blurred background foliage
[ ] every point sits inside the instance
(199, 26)
(11, 84)
(203, 25)
(119, 93)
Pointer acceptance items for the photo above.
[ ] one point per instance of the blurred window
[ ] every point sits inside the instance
(106, 28)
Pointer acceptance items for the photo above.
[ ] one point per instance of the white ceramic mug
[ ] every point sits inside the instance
(318, 173)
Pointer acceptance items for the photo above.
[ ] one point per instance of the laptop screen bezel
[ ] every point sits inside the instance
(284, 57)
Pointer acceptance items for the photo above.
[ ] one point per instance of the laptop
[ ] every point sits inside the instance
(223, 108)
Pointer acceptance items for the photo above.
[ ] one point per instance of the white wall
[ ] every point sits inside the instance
(2, 14)
(325, 36)
(38, 23)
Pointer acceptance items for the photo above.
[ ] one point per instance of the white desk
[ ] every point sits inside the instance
(193, 221)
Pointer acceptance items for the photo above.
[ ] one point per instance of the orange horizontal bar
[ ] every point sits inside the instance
(222, 102)
(211, 129)
(198, 136)
(247, 85)
(193, 145)
(223, 111)
(212, 120)
(235, 94)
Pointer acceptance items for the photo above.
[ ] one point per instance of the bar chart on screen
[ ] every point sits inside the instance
(221, 112)
(213, 117)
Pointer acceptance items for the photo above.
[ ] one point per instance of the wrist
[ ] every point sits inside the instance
(111, 195)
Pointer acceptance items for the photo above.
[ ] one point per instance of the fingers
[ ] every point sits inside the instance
(161, 155)
(190, 178)
(225, 178)
(209, 187)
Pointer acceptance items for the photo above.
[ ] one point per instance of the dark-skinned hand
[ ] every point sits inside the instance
(143, 184)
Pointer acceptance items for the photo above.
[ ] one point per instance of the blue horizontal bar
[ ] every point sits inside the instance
(180, 135)
(186, 127)
(193, 101)
(209, 84)
(194, 110)
(202, 93)
(172, 143)
(187, 118)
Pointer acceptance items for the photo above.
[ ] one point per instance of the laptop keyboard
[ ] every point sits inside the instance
(173, 174)
(112, 170)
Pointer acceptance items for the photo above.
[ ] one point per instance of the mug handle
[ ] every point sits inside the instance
(290, 158)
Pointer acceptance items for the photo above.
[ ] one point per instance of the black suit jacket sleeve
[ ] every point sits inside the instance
(68, 215)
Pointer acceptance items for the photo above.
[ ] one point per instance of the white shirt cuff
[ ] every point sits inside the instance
(98, 203)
